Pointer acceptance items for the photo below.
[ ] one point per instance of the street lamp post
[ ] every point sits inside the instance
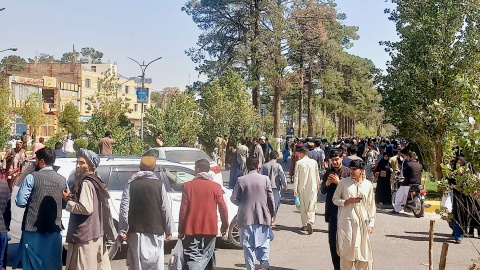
(10, 49)
(143, 67)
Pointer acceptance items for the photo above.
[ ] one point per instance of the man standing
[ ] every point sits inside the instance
(396, 162)
(198, 218)
(243, 152)
(145, 218)
(256, 213)
(68, 145)
(315, 155)
(105, 144)
(331, 178)
(41, 195)
(24, 140)
(159, 139)
(257, 152)
(265, 145)
(356, 218)
(37, 146)
(58, 150)
(89, 216)
(413, 175)
(306, 186)
(275, 173)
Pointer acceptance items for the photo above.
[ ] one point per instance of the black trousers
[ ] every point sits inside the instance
(332, 241)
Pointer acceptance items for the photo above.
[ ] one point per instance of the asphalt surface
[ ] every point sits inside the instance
(398, 242)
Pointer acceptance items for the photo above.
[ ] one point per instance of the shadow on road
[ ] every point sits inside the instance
(421, 238)
(297, 230)
(244, 266)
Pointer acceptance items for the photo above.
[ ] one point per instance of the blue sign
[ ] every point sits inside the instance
(142, 95)
(262, 112)
(292, 130)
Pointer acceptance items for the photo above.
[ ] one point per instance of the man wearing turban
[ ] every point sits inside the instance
(90, 216)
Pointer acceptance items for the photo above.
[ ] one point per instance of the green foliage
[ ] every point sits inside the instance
(227, 110)
(57, 137)
(108, 114)
(70, 56)
(32, 111)
(69, 119)
(5, 117)
(181, 118)
(12, 63)
(438, 43)
(80, 143)
(94, 55)
(43, 58)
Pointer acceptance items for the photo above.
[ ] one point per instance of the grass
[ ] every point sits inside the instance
(431, 186)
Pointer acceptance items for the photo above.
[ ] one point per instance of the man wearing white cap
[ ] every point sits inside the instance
(145, 228)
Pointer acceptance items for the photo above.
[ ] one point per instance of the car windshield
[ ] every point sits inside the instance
(186, 156)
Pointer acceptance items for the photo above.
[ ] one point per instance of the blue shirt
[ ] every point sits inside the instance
(26, 189)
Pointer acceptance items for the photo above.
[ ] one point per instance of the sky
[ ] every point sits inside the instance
(147, 29)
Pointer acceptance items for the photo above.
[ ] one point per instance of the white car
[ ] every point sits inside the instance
(187, 157)
(115, 172)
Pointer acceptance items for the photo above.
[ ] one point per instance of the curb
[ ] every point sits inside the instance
(433, 206)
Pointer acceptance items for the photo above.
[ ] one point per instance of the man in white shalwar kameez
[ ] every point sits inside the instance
(306, 185)
(356, 216)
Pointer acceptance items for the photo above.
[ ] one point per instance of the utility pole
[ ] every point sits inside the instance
(143, 67)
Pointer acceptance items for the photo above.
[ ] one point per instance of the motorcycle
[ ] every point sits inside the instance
(415, 199)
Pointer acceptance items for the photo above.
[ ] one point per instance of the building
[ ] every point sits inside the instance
(60, 83)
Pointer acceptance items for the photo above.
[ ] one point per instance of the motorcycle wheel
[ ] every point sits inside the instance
(419, 209)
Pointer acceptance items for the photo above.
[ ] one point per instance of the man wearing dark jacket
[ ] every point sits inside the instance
(413, 175)
(331, 178)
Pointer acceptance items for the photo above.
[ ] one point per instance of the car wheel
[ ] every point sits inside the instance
(234, 233)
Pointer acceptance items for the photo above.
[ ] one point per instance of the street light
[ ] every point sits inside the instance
(10, 49)
(2, 9)
(143, 67)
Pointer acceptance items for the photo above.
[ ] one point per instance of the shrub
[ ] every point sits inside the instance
(79, 143)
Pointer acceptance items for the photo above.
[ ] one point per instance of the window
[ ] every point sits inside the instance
(135, 107)
(94, 68)
(87, 83)
(177, 178)
(126, 90)
(119, 90)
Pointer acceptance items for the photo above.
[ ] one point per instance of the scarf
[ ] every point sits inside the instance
(142, 174)
(204, 175)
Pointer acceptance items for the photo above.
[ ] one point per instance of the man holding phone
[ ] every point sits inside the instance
(331, 178)
(356, 218)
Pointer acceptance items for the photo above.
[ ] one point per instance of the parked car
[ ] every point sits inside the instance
(115, 172)
(187, 157)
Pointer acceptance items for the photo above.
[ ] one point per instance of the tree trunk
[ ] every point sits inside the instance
(438, 160)
(310, 105)
(300, 100)
(277, 112)
(255, 68)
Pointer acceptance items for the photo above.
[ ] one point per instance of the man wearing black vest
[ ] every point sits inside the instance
(331, 178)
(90, 217)
(145, 218)
(41, 195)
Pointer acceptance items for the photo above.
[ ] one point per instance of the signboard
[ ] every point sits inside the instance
(262, 112)
(49, 81)
(23, 80)
(292, 130)
(142, 95)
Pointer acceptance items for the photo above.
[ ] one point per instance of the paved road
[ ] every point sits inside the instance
(399, 242)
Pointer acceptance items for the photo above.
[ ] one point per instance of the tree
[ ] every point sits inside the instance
(108, 114)
(161, 98)
(13, 63)
(43, 58)
(70, 56)
(227, 110)
(181, 118)
(94, 55)
(439, 42)
(5, 117)
(69, 119)
(32, 111)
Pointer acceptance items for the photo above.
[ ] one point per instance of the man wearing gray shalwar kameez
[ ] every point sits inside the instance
(144, 227)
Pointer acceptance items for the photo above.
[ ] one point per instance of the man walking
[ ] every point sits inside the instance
(306, 186)
(90, 216)
(198, 218)
(41, 195)
(145, 218)
(257, 152)
(278, 182)
(331, 178)
(256, 213)
(413, 175)
(356, 216)
(105, 144)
